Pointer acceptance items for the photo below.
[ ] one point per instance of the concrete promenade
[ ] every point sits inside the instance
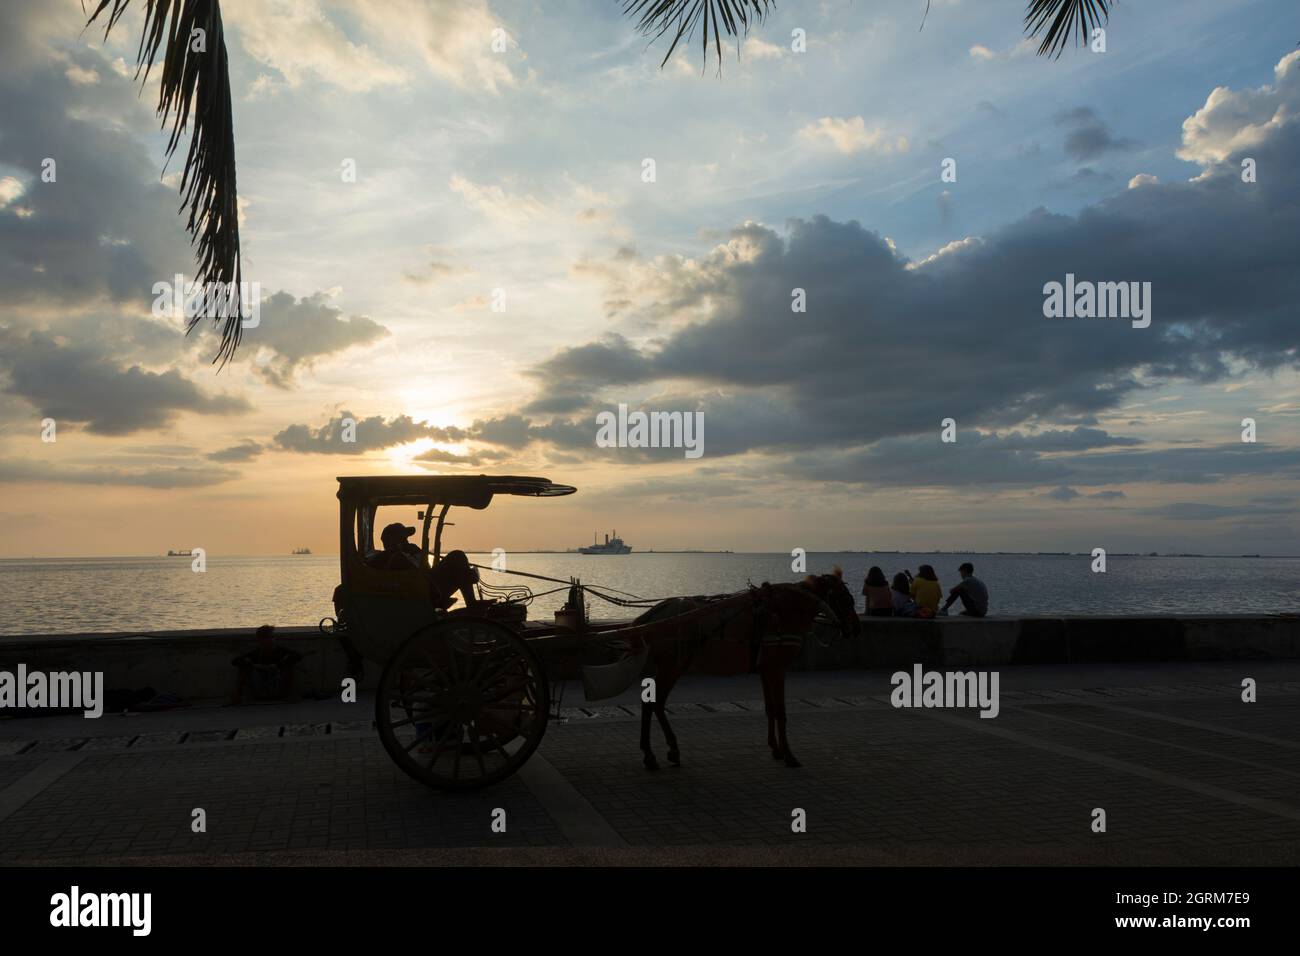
(196, 664)
(1186, 772)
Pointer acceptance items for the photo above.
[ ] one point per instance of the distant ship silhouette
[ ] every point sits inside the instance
(612, 545)
(180, 554)
(301, 551)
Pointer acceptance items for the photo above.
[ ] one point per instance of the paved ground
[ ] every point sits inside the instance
(1186, 772)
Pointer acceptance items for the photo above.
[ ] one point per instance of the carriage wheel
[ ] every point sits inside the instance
(462, 704)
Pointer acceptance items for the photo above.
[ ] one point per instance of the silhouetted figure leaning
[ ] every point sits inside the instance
(453, 573)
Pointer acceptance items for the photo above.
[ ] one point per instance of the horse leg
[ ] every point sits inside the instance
(648, 757)
(765, 678)
(781, 662)
(662, 689)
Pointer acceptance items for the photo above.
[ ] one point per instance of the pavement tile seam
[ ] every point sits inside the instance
(619, 713)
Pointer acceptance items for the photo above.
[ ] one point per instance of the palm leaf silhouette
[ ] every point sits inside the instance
(195, 85)
(1059, 20)
(683, 17)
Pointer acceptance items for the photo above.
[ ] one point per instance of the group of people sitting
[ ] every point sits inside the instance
(919, 596)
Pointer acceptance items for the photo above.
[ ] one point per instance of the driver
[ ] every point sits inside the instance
(453, 573)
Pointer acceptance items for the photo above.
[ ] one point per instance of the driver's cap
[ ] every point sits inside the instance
(396, 532)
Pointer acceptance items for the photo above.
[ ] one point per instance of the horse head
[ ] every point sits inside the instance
(831, 589)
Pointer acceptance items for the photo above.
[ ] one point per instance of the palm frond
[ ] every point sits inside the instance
(683, 17)
(1059, 20)
(196, 86)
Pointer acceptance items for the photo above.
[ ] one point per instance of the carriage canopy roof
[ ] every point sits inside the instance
(469, 491)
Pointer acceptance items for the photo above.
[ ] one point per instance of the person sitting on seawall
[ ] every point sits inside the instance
(972, 593)
(267, 670)
(925, 590)
(904, 606)
(879, 601)
(453, 573)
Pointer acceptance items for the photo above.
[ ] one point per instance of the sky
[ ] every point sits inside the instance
(458, 247)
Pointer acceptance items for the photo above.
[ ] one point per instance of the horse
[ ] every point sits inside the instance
(763, 633)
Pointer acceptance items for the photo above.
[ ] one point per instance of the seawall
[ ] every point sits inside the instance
(196, 664)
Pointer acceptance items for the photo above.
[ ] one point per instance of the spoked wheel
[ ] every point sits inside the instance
(462, 704)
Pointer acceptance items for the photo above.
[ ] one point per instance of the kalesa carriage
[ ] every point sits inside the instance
(464, 694)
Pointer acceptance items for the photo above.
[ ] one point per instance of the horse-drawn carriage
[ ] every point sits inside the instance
(464, 695)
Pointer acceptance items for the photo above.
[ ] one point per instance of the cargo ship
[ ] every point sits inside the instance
(612, 545)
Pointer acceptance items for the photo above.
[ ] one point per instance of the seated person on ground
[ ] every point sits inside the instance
(267, 670)
(972, 593)
(453, 573)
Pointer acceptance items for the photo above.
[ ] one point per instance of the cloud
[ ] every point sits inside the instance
(439, 456)
(984, 54)
(992, 357)
(298, 40)
(1234, 122)
(757, 49)
(431, 272)
(495, 203)
(399, 41)
(165, 476)
(10, 189)
(105, 229)
(81, 75)
(852, 136)
(1199, 511)
(246, 450)
(81, 384)
(1063, 493)
(452, 38)
(295, 334)
(1088, 137)
(837, 393)
(371, 434)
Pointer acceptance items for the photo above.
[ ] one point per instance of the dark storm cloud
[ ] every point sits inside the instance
(107, 226)
(79, 255)
(371, 434)
(299, 332)
(78, 383)
(558, 403)
(888, 348)
(1087, 135)
(611, 361)
(513, 431)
